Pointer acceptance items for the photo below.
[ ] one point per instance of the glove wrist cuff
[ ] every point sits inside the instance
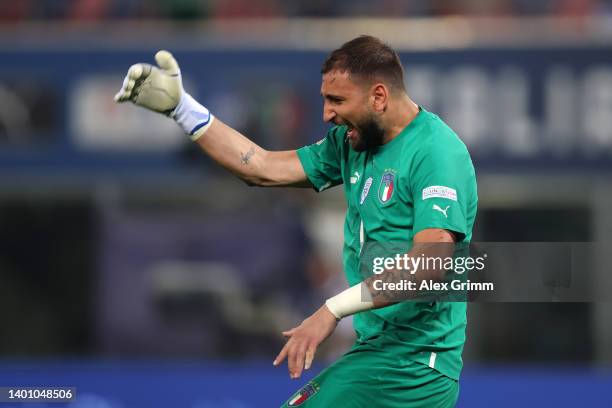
(192, 117)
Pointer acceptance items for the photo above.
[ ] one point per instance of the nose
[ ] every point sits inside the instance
(328, 113)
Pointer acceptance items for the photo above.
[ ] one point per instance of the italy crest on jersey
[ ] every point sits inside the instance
(387, 185)
(305, 393)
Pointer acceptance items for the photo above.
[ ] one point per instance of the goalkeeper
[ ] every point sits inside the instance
(406, 176)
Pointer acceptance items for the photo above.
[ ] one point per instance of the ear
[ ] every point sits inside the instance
(379, 95)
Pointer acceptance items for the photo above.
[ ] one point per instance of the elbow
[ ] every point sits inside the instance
(252, 181)
(256, 181)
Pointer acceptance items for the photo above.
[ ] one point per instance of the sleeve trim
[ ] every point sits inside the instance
(459, 232)
(307, 165)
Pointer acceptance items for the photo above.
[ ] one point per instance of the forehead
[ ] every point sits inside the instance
(337, 82)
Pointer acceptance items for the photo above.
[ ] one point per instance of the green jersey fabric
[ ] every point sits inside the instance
(423, 178)
(371, 378)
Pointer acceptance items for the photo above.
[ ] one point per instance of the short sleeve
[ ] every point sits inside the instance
(322, 160)
(441, 184)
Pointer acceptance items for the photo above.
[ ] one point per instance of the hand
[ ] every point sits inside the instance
(304, 340)
(157, 89)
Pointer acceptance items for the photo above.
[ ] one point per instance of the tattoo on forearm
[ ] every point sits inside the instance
(386, 296)
(245, 157)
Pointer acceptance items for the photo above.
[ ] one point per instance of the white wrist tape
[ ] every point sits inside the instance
(353, 300)
(194, 118)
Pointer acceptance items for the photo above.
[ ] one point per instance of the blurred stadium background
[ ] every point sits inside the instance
(136, 270)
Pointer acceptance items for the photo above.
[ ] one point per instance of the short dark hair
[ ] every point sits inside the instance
(369, 58)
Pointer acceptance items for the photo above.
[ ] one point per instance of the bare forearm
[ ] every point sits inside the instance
(233, 151)
(248, 161)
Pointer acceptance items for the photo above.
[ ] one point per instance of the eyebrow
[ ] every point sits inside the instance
(332, 96)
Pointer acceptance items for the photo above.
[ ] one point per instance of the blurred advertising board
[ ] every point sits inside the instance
(516, 108)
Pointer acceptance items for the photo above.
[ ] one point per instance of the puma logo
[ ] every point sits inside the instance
(355, 178)
(443, 211)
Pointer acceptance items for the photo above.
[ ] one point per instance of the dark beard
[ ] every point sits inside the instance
(371, 135)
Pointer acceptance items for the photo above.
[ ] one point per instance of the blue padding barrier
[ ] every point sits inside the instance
(116, 384)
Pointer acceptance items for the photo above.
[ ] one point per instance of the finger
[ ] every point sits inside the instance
(281, 356)
(310, 353)
(135, 71)
(129, 85)
(291, 360)
(123, 93)
(126, 90)
(166, 61)
(121, 96)
(289, 333)
(298, 365)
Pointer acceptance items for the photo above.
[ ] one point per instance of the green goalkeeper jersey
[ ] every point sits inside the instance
(423, 178)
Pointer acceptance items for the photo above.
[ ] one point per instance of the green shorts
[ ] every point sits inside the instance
(372, 378)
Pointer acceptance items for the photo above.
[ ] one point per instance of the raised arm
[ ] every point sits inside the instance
(161, 90)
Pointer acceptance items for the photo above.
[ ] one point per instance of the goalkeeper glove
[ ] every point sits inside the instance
(161, 90)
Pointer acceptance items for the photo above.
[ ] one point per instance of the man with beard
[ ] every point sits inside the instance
(407, 177)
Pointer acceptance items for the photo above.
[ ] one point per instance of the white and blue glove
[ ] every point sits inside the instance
(161, 90)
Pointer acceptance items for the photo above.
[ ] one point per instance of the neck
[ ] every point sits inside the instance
(399, 115)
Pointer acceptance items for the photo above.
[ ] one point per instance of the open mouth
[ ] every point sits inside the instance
(351, 132)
